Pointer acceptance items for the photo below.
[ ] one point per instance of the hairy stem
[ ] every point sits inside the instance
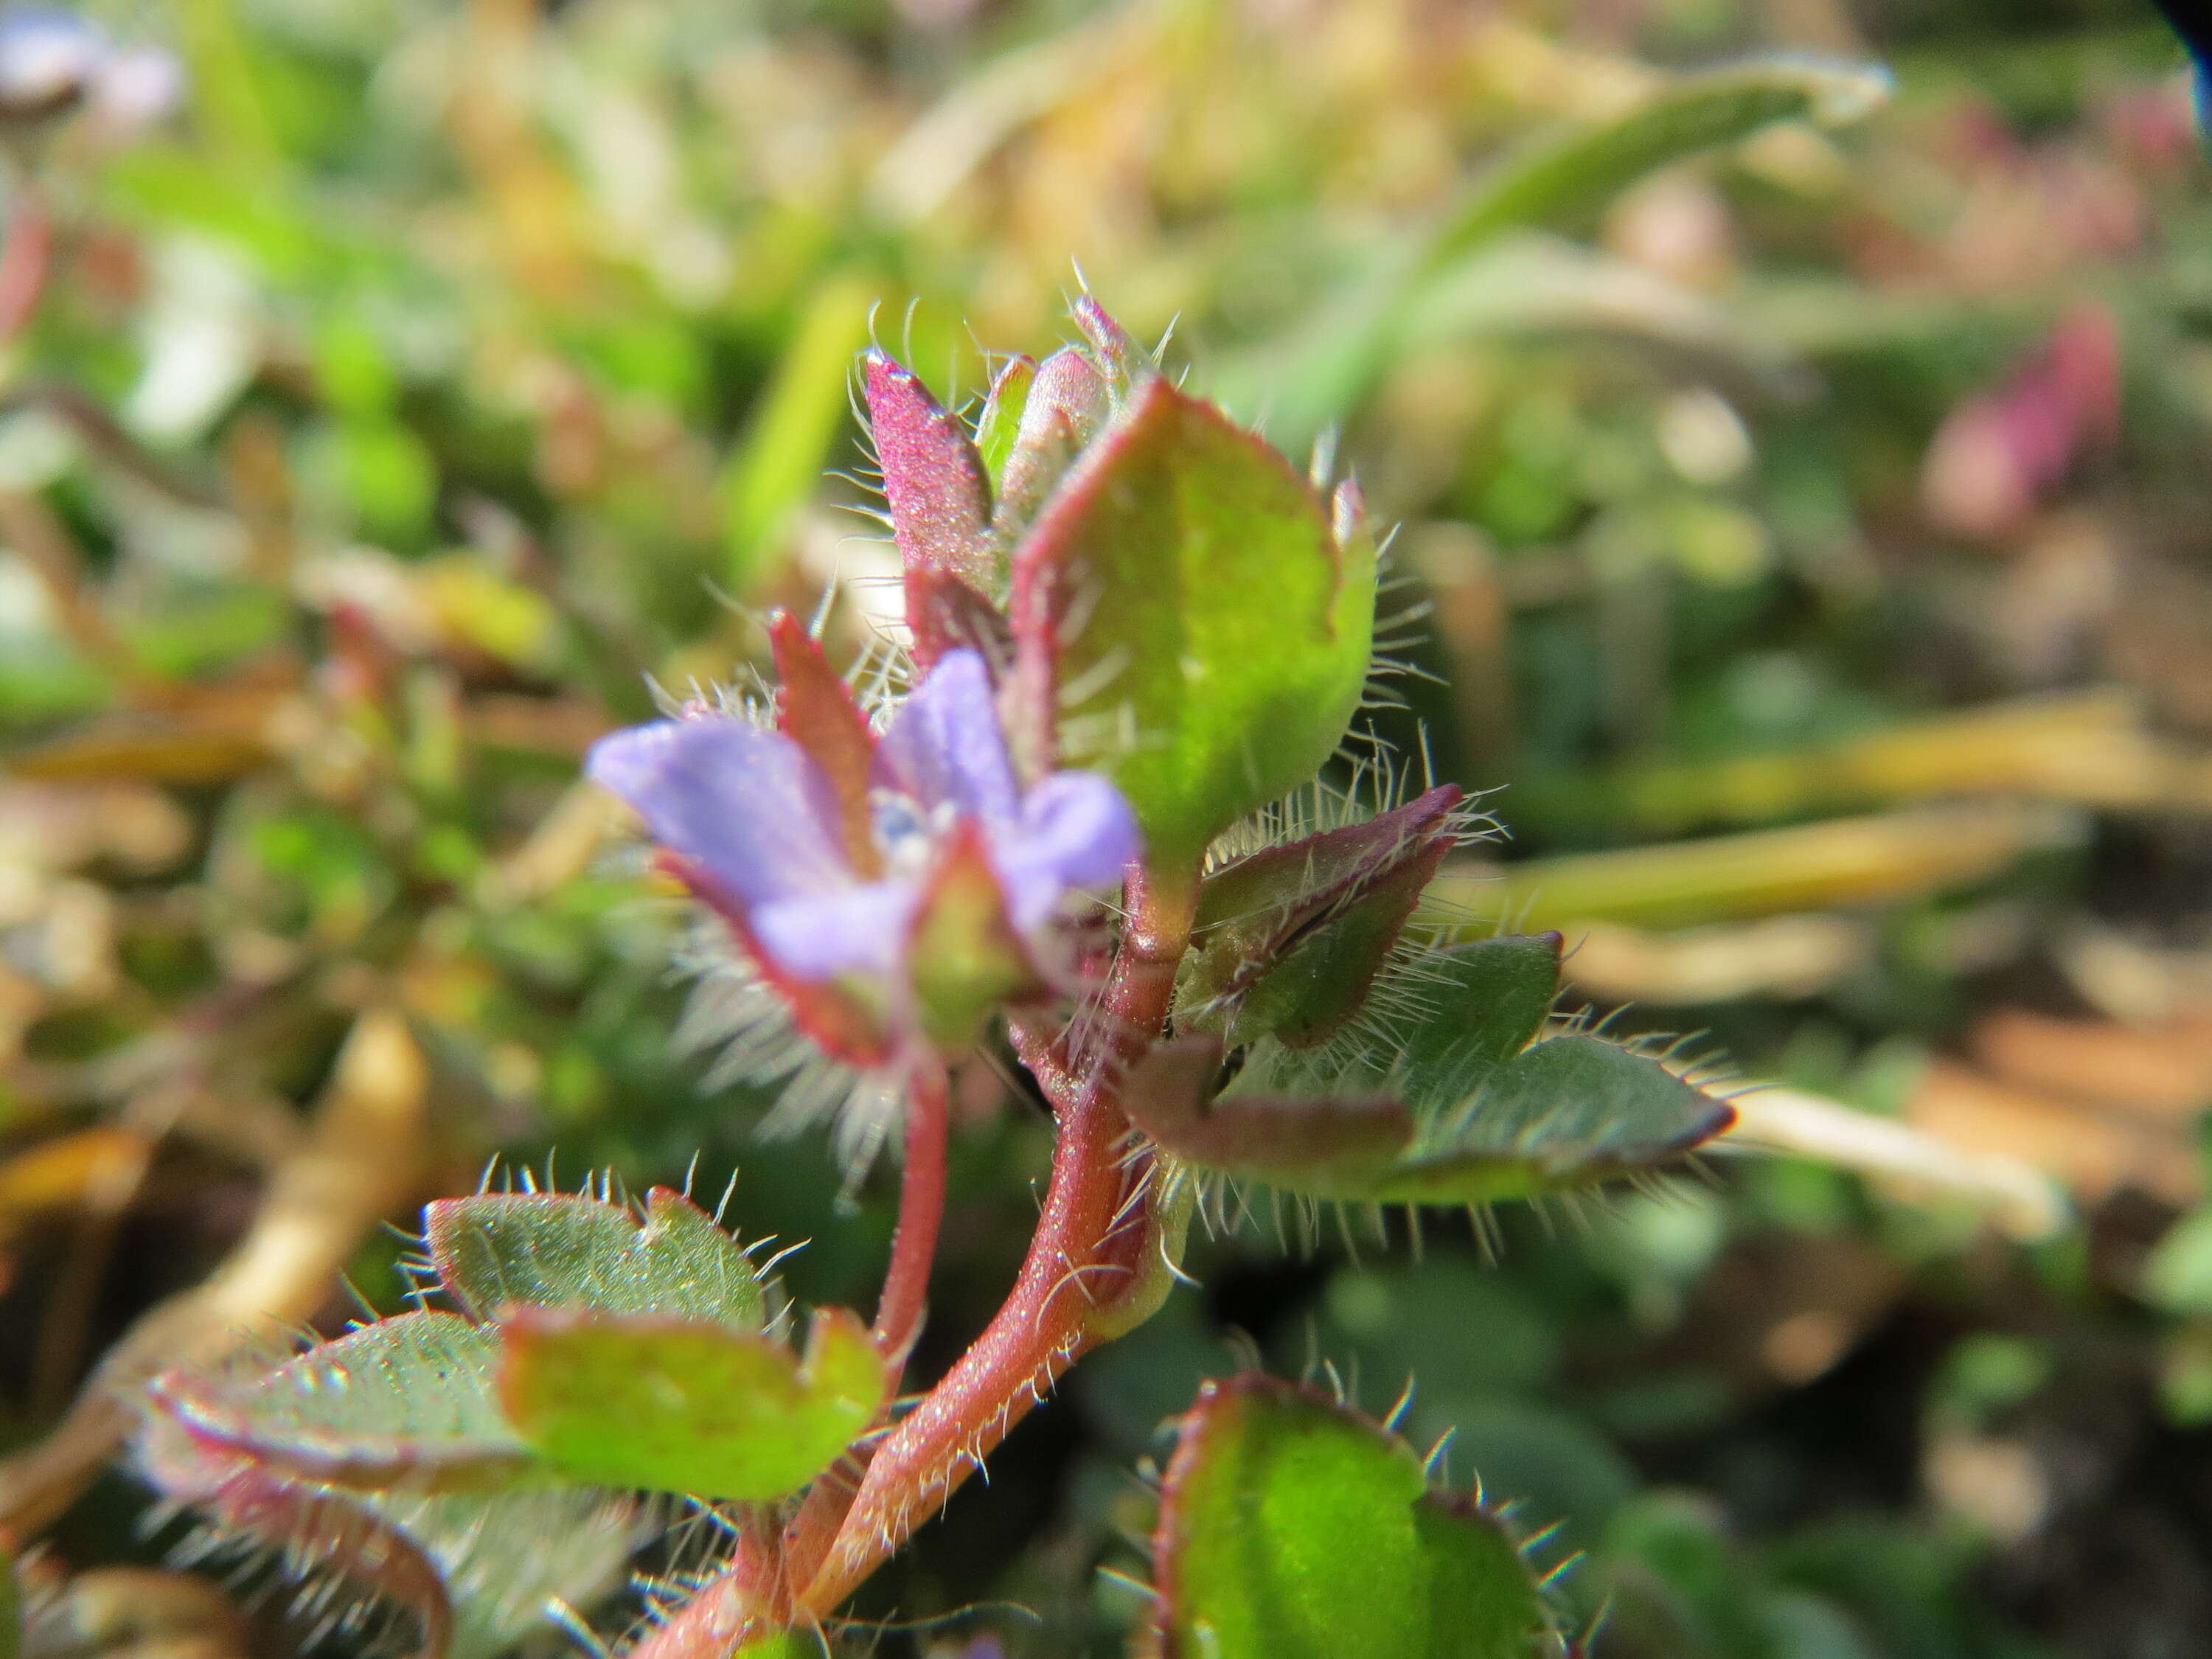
(1083, 1255)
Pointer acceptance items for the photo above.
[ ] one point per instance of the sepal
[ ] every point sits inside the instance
(1289, 939)
(934, 484)
(967, 957)
(816, 709)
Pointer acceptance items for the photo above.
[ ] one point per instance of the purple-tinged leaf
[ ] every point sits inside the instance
(496, 1251)
(933, 480)
(1487, 1113)
(680, 1405)
(1288, 939)
(317, 1532)
(1331, 1146)
(475, 1572)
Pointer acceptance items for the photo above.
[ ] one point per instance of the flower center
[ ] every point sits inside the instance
(907, 832)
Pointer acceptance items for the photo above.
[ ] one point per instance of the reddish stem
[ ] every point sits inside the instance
(900, 1310)
(921, 1210)
(1083, 1255)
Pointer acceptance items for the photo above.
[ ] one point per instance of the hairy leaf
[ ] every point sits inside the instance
(1186, 621)
(1124, 364)
(475, 1572)
(499, 1250)
(1291, 1527)
(940, 498)
(407, 1400)
(1567, 1111)
(1288, 939)
(681, 1406)
(1330, 1145)
(1449, 1099)
(1067, 403)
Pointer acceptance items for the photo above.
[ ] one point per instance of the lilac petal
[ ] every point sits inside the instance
(747, 806)
(860, 929)
(944, 744)
(1075, 831)
(47, 57)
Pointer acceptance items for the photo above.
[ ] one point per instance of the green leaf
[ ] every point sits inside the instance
(1291, 1527)
(407, 1399)
(1331, 1146)
(687, 1406)
(1187, 622)
(1001, 419)
(1443, 1098)
(501, 1251)
(1567, 1112)
(476, 1571)
(507, 1559)
(1486, 999)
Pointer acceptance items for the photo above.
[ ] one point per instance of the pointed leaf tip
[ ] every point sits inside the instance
(933, 479)
(1289, 939)
(1124, 362)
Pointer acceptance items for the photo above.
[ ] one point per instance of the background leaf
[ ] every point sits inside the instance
(1293, 1529)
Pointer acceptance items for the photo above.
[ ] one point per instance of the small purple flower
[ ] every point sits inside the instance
(53, 61)
(762, 820)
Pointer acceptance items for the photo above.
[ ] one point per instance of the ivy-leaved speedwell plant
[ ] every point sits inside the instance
(1087, 812)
